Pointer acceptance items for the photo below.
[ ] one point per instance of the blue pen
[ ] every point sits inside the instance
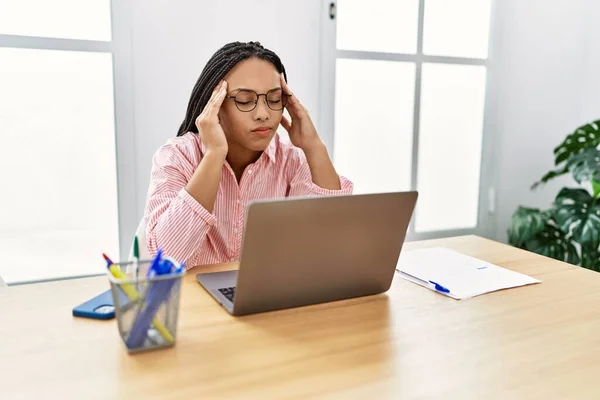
(158, 292)
(440, 288)
(155, 262)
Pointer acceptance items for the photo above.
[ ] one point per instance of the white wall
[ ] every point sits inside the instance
(547, 60)
(173, 40)
(590, 78)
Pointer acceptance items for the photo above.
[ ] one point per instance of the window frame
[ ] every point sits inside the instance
(328, 56)
(119, 47)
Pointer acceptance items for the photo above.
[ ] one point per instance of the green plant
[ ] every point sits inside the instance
(570, 229)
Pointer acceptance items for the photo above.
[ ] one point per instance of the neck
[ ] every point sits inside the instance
(239, 158)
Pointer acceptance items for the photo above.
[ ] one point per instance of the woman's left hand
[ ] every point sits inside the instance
(301, 129)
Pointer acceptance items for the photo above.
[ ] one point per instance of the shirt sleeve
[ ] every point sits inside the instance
(301, 180)
(175, 221)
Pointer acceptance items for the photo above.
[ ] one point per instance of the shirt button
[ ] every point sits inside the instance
(249, 172)
(236, 230)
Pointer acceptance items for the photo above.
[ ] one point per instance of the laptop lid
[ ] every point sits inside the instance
(305, 251)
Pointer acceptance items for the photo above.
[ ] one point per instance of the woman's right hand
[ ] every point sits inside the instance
(204, 184)
(209, 129)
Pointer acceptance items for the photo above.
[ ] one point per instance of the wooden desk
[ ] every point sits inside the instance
(541, 341)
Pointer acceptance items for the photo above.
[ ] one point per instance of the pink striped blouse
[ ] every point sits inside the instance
(186, 231)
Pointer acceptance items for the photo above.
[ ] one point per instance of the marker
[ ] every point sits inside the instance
(129, 289)
(136, 256)
(108, 260)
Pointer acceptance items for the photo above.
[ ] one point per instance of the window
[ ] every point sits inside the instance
(65, 19)
(406, 109)
(58, 163)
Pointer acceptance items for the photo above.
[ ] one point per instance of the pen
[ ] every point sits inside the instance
(136, 256)
(155, 262)
(440, 288)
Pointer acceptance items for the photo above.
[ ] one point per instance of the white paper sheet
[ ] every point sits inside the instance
(462, 275)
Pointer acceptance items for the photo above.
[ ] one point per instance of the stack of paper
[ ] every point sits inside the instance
(457, 275)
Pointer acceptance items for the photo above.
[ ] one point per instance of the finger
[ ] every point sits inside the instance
(293, 104)
(295, 108)
(209, 104)
(215, 93)
(208, 110)
(215, 105)
(287, 125)
(217, 88)
(288, 91)
(284, 84)
(221, 95)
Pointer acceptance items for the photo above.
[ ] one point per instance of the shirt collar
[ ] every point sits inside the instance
(271, 149)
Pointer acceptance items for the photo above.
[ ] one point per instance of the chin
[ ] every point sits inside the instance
(259, 144)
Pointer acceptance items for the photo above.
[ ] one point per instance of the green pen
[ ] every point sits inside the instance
(136, 256)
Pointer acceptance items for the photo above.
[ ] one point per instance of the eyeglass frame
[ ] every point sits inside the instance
(284, 95)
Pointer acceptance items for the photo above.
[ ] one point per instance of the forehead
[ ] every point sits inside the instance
(255, 74)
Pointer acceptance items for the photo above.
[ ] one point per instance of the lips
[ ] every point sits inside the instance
(262, 131)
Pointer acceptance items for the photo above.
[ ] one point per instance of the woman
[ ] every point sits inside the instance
(227, 153)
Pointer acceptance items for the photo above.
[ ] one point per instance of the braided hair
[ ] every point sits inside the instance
(215, 70)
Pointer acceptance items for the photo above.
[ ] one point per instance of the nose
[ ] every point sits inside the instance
(262, 111)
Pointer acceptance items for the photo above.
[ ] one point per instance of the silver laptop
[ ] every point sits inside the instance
(305, 251)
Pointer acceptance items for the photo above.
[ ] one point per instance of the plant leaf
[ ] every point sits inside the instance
(549, 176)
(585, 166)
(526, 223)
(584, 137)
(578, 213)
(590, 257)
(554, 243)
(596, 188)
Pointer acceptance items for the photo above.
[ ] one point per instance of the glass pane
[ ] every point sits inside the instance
(451, 126)
(58, 211)
(457, 28)
(378, 25)
(374, 103)
(68, 19)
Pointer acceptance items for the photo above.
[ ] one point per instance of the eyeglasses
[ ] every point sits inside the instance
(246, 100)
